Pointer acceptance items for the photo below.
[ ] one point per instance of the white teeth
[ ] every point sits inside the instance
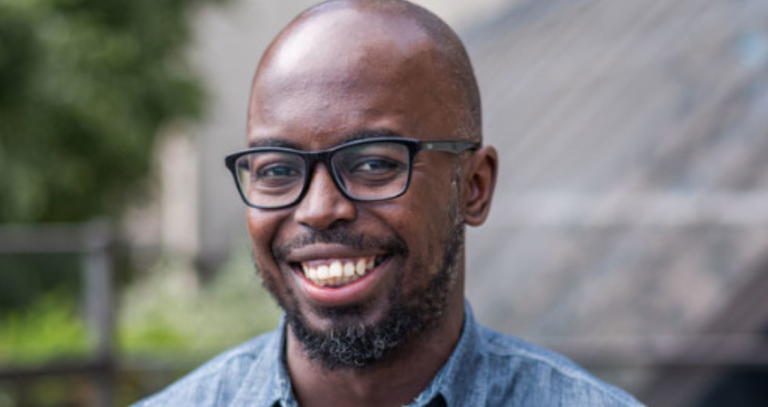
(349, 269)
(322, 272)
(338, 271)
(360, 267)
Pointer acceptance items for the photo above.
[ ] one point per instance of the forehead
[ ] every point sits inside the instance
(345, 72)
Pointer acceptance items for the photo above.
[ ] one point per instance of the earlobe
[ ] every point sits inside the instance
(481, 183)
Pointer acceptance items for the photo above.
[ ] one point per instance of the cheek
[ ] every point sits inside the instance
(262, 228)
(433, 204)
(422, 219)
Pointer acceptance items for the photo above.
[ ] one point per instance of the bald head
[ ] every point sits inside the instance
(350, 91)
(348, 45)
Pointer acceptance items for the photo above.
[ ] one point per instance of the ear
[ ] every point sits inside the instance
(480, 184)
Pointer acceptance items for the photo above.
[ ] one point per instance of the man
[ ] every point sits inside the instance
(364, 164)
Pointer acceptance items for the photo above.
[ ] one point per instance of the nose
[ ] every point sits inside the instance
(323, 205)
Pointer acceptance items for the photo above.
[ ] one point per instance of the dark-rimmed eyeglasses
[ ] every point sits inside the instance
(374, 169)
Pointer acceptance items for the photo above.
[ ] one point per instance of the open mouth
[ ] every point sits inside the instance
(334, 273)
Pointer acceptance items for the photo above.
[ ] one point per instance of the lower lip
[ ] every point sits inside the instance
(349, 294)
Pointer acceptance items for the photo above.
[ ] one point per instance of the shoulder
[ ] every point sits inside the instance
(219, 379)
(525, 374)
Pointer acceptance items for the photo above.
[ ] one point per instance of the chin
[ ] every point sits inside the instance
(353, 338)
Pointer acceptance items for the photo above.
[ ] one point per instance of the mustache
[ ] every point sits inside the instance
(358, 241)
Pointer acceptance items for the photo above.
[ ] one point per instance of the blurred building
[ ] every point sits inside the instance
(630, 225)
(631, 221)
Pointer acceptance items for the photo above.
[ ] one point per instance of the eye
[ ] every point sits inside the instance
(374, 171)
(373, 166)
(277, 175)
(277, 171)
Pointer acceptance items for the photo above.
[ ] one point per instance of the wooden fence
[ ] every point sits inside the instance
(94, 242)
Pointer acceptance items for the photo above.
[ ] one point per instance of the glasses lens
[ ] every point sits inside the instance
(270, 179)
(376, 170)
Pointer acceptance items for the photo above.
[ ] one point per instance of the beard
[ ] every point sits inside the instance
(349, 344)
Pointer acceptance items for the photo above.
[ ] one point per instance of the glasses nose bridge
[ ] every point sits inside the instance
(324, 157)
(312, 158)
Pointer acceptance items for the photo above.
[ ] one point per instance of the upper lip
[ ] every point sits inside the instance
(327, 251)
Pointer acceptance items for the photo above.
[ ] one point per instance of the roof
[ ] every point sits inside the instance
(633, 189)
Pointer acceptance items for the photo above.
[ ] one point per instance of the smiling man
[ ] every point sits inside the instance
(364, 164)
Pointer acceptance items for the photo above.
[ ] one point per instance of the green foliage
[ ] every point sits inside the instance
(168, 316)
(164, 315)
(23, 277)
(49, 329)
(85, 85)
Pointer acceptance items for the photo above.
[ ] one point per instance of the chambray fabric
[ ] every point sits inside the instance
(487, 368)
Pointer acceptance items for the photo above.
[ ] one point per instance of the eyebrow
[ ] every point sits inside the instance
(354, 136)
(272, 142)
(369, 133)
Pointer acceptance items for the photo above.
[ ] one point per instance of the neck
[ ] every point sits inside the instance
(395, 382)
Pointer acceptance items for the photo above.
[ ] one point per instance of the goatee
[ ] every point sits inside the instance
(355, 346)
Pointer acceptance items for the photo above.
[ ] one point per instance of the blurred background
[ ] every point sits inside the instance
(629, 229)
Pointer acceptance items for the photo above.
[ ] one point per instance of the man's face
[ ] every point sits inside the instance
(409, 245)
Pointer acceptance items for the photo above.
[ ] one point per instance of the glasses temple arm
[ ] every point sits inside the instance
(449, 146)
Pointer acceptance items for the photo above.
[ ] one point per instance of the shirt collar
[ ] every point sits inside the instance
(282, 388)
(267, 381)
(455, 382)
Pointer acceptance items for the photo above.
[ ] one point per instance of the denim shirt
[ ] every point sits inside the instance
(487, 368)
